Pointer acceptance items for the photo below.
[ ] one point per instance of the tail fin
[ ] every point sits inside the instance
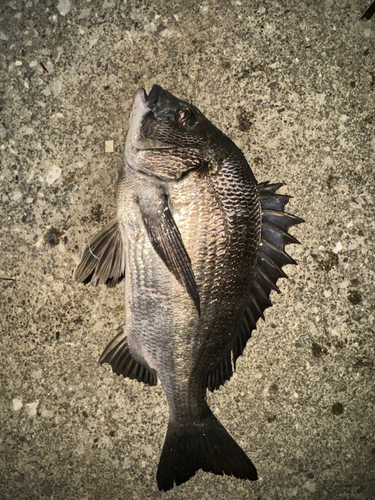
(206, 445)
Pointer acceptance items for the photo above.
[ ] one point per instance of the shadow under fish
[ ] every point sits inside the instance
(200, 245)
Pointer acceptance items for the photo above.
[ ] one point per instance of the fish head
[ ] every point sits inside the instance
(167, 137)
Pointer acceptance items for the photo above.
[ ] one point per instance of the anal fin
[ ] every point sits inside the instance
(119, 357)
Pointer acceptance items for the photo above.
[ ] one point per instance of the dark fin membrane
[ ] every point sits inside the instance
(271, 259)
(103, 259)
(205, 445)
(117, 355)
(167, 242)
(369, 12)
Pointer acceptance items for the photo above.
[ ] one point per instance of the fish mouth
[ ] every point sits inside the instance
(153, 96)
(143, 101)
(142, 106)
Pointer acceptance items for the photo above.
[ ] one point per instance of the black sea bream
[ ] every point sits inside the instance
(200, 245)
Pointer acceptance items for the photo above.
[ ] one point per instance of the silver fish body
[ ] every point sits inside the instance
(200, 245)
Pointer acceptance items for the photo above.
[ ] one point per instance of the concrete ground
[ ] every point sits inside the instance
(293, 84)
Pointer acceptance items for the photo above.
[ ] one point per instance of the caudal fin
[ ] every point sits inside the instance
(206, 445)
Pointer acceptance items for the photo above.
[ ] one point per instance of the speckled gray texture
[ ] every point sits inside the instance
(293, 84)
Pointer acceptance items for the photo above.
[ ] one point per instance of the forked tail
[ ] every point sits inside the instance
(204, 445)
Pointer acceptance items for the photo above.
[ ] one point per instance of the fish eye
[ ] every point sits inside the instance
(184, 116)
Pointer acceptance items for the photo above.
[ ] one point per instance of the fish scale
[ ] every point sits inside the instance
(201, 246)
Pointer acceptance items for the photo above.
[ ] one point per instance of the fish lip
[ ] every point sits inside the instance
(143, 101)
(139, 99)
(153, 96)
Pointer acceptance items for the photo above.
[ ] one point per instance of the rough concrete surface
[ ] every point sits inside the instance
(293, 84)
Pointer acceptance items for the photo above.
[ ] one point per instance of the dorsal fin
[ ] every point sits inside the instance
(271, 259)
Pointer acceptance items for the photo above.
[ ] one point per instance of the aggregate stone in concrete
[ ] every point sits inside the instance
(293, 84)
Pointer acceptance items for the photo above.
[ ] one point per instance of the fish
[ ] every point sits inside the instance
(200, 245)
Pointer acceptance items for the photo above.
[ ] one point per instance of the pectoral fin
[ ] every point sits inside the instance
(103, 259)
(167, 241)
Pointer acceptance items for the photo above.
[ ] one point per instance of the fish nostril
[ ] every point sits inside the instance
(153, 96)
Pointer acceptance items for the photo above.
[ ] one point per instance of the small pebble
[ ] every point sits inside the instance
(310, 486)
(109, 146)
(56, 88)
(17, 195)
(37, 374)
(53, 174)
(32, 407)
(63, 7)
(17, 404)
(338, 247)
